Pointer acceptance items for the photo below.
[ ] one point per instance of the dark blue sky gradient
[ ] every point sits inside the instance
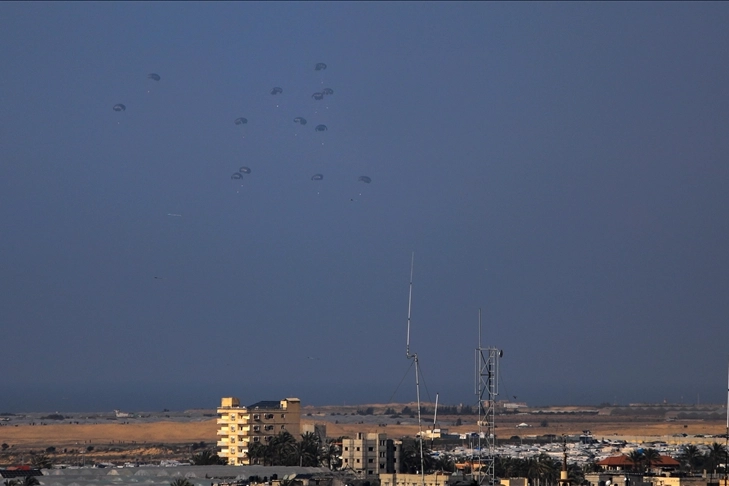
(562, 166)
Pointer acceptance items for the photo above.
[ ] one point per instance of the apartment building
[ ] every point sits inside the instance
(370, 454)
(239, 427)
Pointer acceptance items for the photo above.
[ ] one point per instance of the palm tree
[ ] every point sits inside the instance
(282, 450)
(548, 468)
(329, 454)
(638, 459)
(715, 456)
(207, 458)
(575, 474)
(30, 481)
(257, 453)
(651, 457)
(531, 470)
(181, 482)
(308, 450)
(691, 457)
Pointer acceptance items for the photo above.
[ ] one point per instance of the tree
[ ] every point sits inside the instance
(41, 461)
(637, 459)
(548, 468)
(715, 457)
(257, 453)
(308, 450)
(282, 452)
(690, 457)
(181, 482)
(410, 457)
(329, 454)
(445, 463)
(651, 457)
(30, 481)
(207, 458)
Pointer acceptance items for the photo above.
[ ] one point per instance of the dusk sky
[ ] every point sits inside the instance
(562, 166)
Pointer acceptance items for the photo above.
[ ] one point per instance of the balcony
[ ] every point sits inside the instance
(222, 421)
(222, 443)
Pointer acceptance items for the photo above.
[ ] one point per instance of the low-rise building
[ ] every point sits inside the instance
(437, 479)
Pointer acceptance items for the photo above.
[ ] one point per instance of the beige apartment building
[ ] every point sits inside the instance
(436, 479)
(370, 454)
(239, 427)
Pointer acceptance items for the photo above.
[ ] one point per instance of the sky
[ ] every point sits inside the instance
(560, 166)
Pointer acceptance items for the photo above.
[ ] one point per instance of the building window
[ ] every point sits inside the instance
(346, 461)
(370, 449)
(357, 461)
(370, 461)
(357, 449)
(346, 448)
(382, 466)
(283, 415)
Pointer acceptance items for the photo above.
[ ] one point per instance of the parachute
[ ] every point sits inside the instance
(244, 170)
(320, 66)
(276, 91)
(327, 91)
(153, 76)
(241, 121)
(300, 120)
(317, 177)
(318, 96)
(119, 107)
(321, 128)
(236, 175)
(364, 179)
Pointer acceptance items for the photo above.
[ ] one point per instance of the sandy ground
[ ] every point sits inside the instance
(72, 435)
(195, 428)
(64, 435)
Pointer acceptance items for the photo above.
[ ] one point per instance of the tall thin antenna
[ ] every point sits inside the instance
(414, 357)
(435, 418)
(410, 302)
(726, 441)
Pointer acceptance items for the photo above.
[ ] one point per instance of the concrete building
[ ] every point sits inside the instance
(436, 479)
(239, 427)
(319, 430)
(369, 455)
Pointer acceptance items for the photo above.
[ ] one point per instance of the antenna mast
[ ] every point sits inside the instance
(726, 441)
(414, 357)
(487, 374)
